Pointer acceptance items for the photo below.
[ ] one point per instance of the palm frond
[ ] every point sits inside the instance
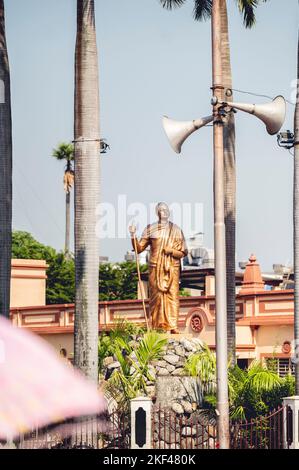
(170, 4)
(150, 347)
(64, 151)
(202, 364)
(247, 9)
(202, 10)
(238, 413)
(124, 364)
(260, 379)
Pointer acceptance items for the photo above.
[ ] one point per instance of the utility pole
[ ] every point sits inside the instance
(219, 235)
(272, 115)
(296, 232)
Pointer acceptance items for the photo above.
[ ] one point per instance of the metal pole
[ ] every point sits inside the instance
(140, 282)
(219, 237)
(296, 232)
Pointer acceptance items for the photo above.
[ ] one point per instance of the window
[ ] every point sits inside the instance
(242, 363)
(283, 366)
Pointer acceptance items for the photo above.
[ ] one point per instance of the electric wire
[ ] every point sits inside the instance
(34, 192)
(23, 207)
(260, 95)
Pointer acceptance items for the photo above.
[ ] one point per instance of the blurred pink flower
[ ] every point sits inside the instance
(36, 387)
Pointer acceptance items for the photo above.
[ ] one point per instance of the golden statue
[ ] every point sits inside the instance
(167, 247)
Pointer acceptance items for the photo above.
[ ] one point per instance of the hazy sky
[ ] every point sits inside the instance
(152, 62)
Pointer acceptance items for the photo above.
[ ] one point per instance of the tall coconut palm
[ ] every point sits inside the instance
(65, 152)
(202, 11)
(296, 227)
(87, 154)
(5, 171)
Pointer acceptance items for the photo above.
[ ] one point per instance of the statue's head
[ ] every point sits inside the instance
(162, 211)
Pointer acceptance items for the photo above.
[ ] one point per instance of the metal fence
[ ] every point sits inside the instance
(108, 431)
(263, 432)
(170, 431)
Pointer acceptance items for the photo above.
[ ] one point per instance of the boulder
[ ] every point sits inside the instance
(159, 363)
(114, 365)
(108, 360)
(187, 406)
(180, 351)
(187, 345)
(177, 408)
(188, 431)
(151, 391)
(171, 358)
(163, 371)
(180, 371)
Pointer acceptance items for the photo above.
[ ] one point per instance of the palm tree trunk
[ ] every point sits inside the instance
(87, 151)
(296, 230)
(5, 171)
(219, 236)
(67, 223)
(229, 192)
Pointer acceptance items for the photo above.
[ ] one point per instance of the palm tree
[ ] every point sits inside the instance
(202, 11)
(5, 171)
(252, 391)
(296, 227)
(65, 152)
(135, 367)
(87, 153)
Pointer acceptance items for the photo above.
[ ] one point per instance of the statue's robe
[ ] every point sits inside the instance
(164, 272)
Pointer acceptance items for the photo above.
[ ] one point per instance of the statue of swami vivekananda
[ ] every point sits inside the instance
(167, 247)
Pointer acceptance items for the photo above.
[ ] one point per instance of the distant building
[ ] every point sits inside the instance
(264, 311)
(130, 256)
(28, 282)
(143, 257)
(198, 255)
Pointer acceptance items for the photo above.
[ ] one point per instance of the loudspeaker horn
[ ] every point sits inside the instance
(272, 114)
(178, 131)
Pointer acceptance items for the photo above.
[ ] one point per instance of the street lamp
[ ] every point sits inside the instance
(273, 116)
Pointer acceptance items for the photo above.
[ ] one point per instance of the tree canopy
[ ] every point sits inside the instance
(117, 281)
(60, 286)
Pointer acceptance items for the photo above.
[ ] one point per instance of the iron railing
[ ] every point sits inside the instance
(263, 432)
(170, 431)
(110, 431)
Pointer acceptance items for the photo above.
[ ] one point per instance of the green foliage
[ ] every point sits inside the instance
(118, 281)
(24, 246)
(252, 392)
(61, 280)
(202, 364)
(105, 348)
(249, 389)
(184, 293)
(64, 151)
(60, 286)
(130, 380)
(117, 339)
(150, 349)
(285, 389)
